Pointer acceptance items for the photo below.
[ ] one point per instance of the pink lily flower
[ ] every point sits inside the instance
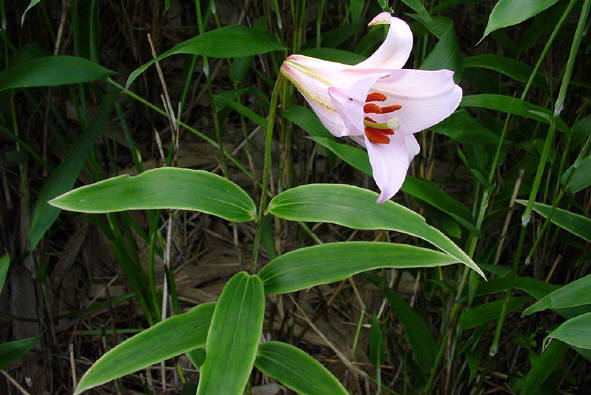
(376, 102)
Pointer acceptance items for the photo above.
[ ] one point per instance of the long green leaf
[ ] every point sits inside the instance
(484, 313)
(576, 224)
(296, 369)
(446, 54)
(356, 208)
(416, 187)
(233, 336)
(535, 288)
(576, 293)
(64, 176)
(331, 262)
(512, 68)
(232, 41)
(52, 71)
(513, 105)
(4, 263)
(169, 338)
(575, 332)
(165, 187)
(12, 351)
(511, 12)
(421, 341)
(463, 128)
(542, 367)
(32, 4)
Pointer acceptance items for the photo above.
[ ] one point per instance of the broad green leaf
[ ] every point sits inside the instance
(512, 68)
(513, 105)
(581, 176)
(575, 332)
(52, 71)
(542, 367)
(576, 293)
(535, 288)
(574, 223)
(307, 120)
(419, 188)
(32, 4)
(234, 41)
(165, 187)
(169, 338)
(65, 174)
(233, 337)
(421, 341)
(356, 208)
(419, 8)
(4, 263)
(354, 156)
(484, 313)
(511, 12)
(331, 262)
(296, 369)
(11, 352)
(446, 54)
(463, 128)
(334, 55)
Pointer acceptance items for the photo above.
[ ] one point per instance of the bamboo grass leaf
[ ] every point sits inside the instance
(165, 187)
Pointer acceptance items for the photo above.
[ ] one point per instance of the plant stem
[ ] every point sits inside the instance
(266, 168)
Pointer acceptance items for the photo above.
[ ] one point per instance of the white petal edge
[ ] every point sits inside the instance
(390, 163)
(396, 48)
(426, 97)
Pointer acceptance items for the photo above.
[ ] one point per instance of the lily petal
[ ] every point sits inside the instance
(349, 103)
(426, 97)
(395, 50)
(390, 163)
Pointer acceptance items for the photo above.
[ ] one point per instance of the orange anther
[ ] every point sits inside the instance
(392, 108)
(382, 131)
(374, 96)
(375, 136)
(372, 108)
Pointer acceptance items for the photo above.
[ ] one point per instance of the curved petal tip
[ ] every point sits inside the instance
(380, 19)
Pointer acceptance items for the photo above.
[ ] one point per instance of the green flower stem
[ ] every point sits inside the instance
(266, 168)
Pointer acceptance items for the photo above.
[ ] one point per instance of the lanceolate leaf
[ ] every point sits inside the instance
(511, 12)
(52, 71)
(11, 351)
(542, 367)
(64, 176)
(574, 223)
(484, 313)
(233, 337)
(510, 67)
(167, 339)
(232, 41)
(573, 294)
(417, 331)
(331, 262)
(575, 332)
(356, 208)
(296, 369)
(165, 187)
(514, 106)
